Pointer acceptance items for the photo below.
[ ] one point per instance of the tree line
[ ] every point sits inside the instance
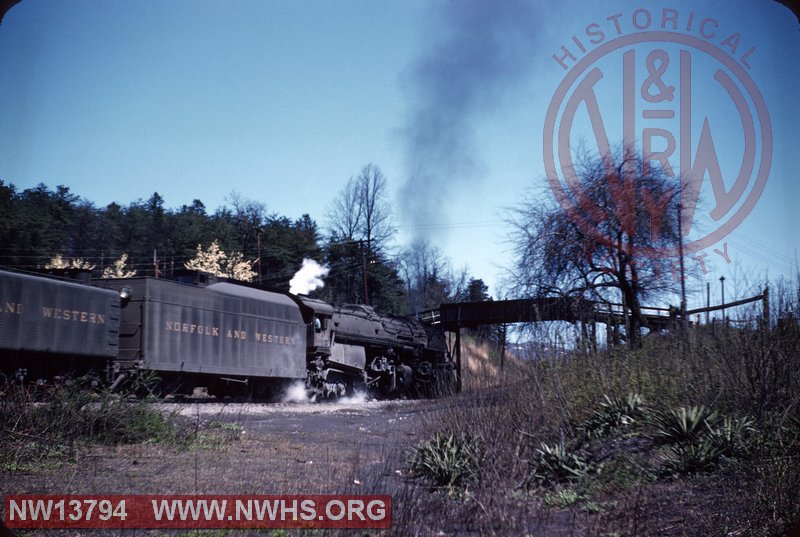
(37, 224)
(612, 244)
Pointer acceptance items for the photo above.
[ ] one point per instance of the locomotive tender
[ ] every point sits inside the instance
(50, 325)
(204, 331)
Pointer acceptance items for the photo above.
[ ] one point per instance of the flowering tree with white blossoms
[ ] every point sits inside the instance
(217, 262)
(118, 270)
(58, 262)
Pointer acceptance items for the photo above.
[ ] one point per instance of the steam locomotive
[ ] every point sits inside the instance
(199, 330)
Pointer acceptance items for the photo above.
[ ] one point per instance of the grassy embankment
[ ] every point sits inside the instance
(694, 433)
(46, 426)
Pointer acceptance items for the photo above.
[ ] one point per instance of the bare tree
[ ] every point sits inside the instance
(346, 214)
(362, 211)
(360, 223)
(617, 240)
(377, 212)
(249, 217)
(428, 277)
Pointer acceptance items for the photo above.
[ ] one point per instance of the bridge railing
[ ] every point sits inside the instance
(618, 309)
(432, 317)
(471, 314)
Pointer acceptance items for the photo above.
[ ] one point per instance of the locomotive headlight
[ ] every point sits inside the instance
(125, 294)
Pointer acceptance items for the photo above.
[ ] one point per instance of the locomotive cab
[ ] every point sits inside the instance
(319, 335)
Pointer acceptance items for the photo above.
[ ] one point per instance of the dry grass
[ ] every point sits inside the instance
(531, 419)
(482, 366)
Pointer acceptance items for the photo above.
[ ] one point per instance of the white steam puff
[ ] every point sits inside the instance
(308, 278)
(356, 399)
(296, 393)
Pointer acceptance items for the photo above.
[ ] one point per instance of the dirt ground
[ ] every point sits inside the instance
(357, 447)
(352, 447)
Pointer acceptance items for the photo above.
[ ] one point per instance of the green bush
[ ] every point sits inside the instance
(561, 499)
(69, 413)
(623, 471)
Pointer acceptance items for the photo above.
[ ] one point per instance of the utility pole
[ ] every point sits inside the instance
(364, 270)
(684, 320)
(708, 300)
(722, 283)
(155, 263)
(258, 243)
(503, 333)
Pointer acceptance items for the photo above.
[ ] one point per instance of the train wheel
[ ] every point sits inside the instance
(404, 379)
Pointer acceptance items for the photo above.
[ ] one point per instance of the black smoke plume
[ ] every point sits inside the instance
(482, 49)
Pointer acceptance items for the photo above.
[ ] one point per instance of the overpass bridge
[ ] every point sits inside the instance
(531, 310)
(455, 316)
(473, 314)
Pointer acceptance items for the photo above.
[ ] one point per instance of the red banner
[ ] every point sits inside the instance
(208, 511)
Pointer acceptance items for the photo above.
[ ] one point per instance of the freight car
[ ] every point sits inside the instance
(236, 338)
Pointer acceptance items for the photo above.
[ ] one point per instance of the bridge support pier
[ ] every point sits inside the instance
(458, 360)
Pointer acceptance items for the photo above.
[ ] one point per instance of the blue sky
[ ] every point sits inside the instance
(283, 101)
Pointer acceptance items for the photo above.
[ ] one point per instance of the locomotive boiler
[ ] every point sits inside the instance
(390, 355)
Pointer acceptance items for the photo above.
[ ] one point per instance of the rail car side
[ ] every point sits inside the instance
(222, 330)
(204, 331)
(53, 324)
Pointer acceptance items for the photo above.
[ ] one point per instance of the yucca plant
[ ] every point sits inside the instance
(614, 413)
(682, 424)
(557, 464)
(698, 440)
(693, 457)
(733, 436)
(450, 460)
